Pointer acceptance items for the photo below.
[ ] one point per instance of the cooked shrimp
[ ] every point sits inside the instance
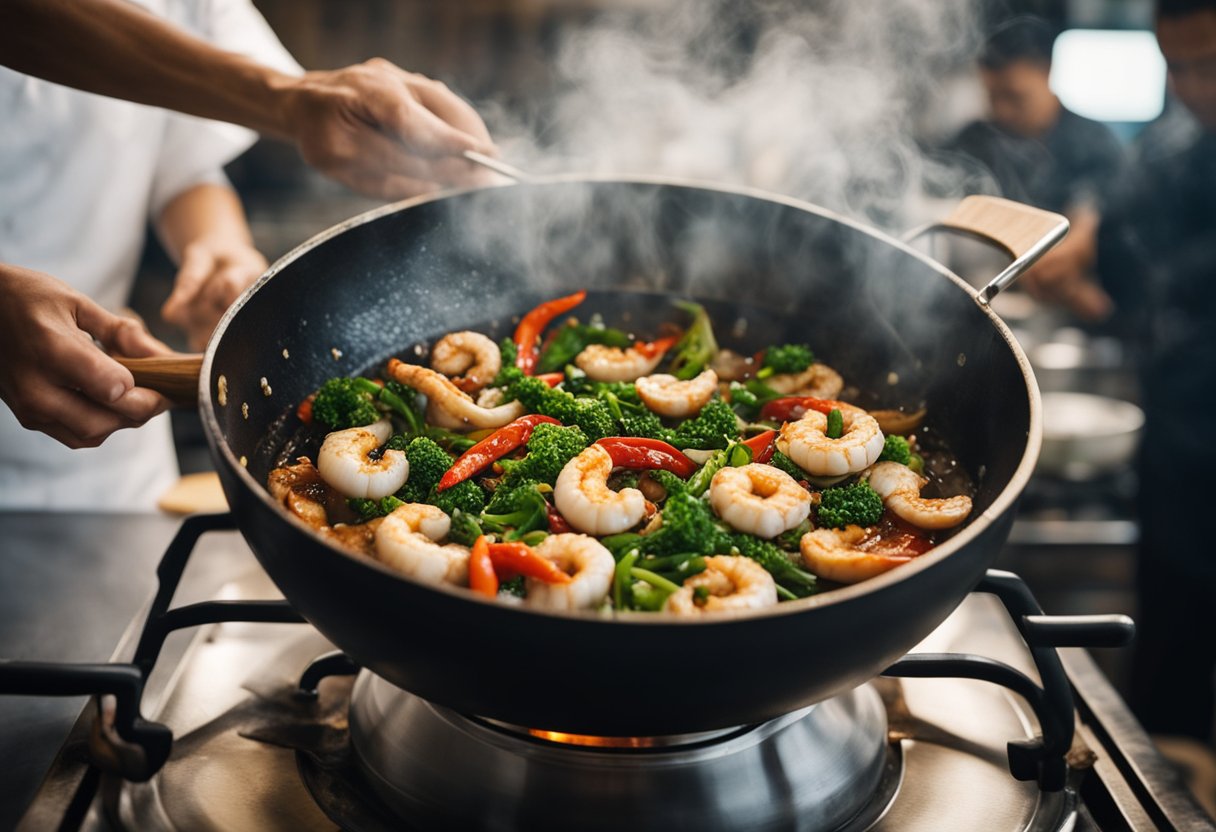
(735, 584)
(668, 396)
(300, 488)
(899, 486)
(759, 499)
(806, 442)
(589, 565)
(832, 554)
(447, 405)
(818, 380)
(603, 363)
(406, 541)
(359, 538)
(583, 497)
(345, 464)
(468, 354)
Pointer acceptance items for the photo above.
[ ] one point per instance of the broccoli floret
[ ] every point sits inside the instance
(428, 463)
(849, 505)
(572, 339)
(895, 449)
(786, 358)
(750, 396)
(467, 496)
(518, 511)
(798, 583)
(688, 526)
(550, 447)
(515, 586)
(343, 403)
(371, 509)
(647, 425)
(509, 374)
(714, 427)
(404, 402)
(464, 529)
(698, 346)
(780, 460)
(671, 483)
(592, 415)
(791, 540)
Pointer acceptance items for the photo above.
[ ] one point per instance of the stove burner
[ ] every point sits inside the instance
(824, 767)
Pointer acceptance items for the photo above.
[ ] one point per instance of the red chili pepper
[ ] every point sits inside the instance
(557, 523)
(552, 379)
(521, 559)
(304, 411)
(481, 569)
(650, 349)
(636, 452)
(495, 446)
(534, 323)
(762, 445)
(792, 407)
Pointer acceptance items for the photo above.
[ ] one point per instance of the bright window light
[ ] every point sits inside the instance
(1109, 75)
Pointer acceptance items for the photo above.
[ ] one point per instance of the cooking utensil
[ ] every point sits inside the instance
(769, 269)
(1085, 436)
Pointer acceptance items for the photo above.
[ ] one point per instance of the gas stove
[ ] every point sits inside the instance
(230, 713)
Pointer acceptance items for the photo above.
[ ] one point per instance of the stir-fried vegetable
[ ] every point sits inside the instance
(850, 505)
(495, 446)
(698, 346)
(533, 324)
(786, 358)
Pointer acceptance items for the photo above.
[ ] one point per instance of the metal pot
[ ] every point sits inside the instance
(1085, 436)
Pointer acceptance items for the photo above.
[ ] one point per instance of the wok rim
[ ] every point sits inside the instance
(1003, 503)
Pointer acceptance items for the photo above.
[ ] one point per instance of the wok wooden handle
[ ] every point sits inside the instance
(1023, 232)
(173, 376)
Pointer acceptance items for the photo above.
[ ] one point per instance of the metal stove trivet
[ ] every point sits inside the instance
(126, 744)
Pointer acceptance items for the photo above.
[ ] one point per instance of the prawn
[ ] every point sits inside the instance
(407, 540)
(300, 488)
(589, 565)
(899, 486)
(734, 584)
(604, 363)
(468, 354)
(832, 554)
(447, 405)
(668, 396)
(818, 380)
(759, 499)
(345, 463)
(806, 442)
(583, 497)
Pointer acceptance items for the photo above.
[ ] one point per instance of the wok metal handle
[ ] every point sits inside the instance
(1023, 232)
(173, 376)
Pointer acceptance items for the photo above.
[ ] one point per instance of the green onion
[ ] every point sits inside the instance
(620, 580)
(835, 424)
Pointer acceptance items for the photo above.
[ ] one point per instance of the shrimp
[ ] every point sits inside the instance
(345, 464)
(899, 486)
(603, 363)
(832, 554)
(468, 354)
(448, 406)
(735, 584)
(818, 380)
(668, 396)
(589, 565)
(759, 499)
(806, 442)
(407, 541)
(583, 497)
(300, 488)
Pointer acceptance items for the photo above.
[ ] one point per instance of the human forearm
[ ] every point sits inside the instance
(202, 212)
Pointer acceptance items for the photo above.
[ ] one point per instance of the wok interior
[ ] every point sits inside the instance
(894, 325)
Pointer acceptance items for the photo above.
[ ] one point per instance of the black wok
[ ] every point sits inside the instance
(892, 321)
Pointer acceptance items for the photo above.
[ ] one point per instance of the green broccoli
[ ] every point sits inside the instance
(550, 447)
(371, 509)
(514, 586)
(572, 339)
(645, 424)
(795, 582)
(698, 346)
(592, 415)
(671, 483)
(688, 526)
(464, 529)
(849, 505)
(343, 403)
(404, 402)
(736, 455)
(786, 358)
(791, 539)
(714, 427)
(780, 460)
(519, 511)
(895, 449)
(428, 463)
(467, 496)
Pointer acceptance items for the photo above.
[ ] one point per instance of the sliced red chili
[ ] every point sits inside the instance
(552, 379)
(534, 323)
(522, 559)
(793, 407)
(495, 446)
(481, 569)
(650, 349)
(557, 523)
(763, 445)
(637, 452)
(304, 411)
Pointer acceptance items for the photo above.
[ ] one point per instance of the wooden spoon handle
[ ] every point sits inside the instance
(173, 376)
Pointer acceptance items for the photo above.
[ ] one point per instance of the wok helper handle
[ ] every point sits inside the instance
(173, 376)
(1023, 232)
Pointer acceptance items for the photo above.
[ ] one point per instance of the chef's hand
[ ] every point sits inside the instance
(54, 376)
(383, 131)
(213, 273)
(1064, 275)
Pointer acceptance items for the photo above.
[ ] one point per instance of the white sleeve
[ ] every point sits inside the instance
(193, 151)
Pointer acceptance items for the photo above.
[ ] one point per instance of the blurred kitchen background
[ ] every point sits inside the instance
(514, 59)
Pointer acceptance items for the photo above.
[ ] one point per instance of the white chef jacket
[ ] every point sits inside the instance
(80, 177)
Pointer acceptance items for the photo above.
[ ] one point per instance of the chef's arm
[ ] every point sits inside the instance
(56, 376)
(1065, 274)
(373, 126)
(205, 232)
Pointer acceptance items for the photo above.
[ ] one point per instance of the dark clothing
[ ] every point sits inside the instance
(1076, 161)
(1157, 253)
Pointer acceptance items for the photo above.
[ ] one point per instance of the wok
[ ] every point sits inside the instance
(891, 320)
